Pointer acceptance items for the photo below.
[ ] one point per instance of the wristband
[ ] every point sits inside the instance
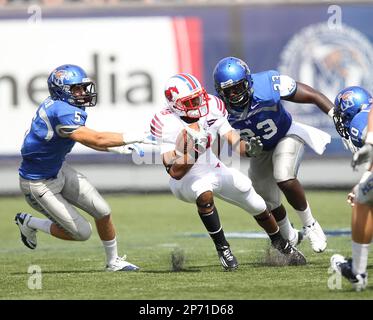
(369, 138)
(331, 113)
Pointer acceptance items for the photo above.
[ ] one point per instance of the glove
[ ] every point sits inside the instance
(253, 147)
(365, 154)
(128, 149)
(349, 145)
(199, 138)
(133, 137)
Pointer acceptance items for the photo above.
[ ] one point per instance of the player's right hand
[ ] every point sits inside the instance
(254, 147)
(365, 154)
(347, 143)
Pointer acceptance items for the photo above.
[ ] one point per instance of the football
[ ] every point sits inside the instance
(184, 142)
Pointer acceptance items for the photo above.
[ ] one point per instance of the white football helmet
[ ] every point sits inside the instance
(186, 97)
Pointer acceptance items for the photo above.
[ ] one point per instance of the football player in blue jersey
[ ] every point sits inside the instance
(353, 120)
(49, 184)
(254, 105)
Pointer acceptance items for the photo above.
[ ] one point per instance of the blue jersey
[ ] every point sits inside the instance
(46, 143)
(358, 127)
(266, 117)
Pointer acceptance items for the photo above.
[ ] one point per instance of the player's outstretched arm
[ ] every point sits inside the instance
(97, 140)
(306, 94)
(101, 141)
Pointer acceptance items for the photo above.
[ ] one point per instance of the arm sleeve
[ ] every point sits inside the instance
(69, 120)
(288, 86)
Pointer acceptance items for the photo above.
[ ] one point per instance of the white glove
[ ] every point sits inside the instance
(254, 147)
(347, 143)
(365, 154)
(128, 149)
(133, 137)
(200, 138)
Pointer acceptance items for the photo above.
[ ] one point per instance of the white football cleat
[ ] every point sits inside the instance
(120, 264)
(297, 239)
(344, 267)
(316, 236)
(28, 235)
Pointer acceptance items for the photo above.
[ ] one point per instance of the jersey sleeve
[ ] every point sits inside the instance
(163, 132)
(219, 112)
(69, 119)
(358, 128)
(288, 86)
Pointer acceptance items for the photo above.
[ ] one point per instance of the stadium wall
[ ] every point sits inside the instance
(131, 52)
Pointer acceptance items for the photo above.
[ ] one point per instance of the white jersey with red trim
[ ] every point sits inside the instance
(166, 126)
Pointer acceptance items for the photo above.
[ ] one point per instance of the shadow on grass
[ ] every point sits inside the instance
(189, 270)
(62, 272)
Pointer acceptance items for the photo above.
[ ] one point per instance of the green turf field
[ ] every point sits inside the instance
(149, 228)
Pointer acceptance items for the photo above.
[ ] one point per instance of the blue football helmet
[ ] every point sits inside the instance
(349, 102)
(71, 84)
(233, 83)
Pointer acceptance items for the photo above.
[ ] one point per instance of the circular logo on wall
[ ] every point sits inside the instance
(329, 59)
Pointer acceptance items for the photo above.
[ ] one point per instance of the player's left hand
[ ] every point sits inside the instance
(365, 154)
(254, 147)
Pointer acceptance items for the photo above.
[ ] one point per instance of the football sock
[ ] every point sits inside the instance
(111, 250)
(40, 224)
(286, 230)
(359, 257)
(214, 228)
(306, 216)
(276, 236)
(277, 240)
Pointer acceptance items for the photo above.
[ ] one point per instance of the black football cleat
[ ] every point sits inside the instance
(227, 259)
(293, 255)
(344, 267)
(28, 235)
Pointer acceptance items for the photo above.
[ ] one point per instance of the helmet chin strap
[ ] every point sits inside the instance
(241, 115)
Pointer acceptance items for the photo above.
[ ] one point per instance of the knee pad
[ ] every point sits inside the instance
(101, 208)
(241, 182)
(255, 204)
(286, 158)
(364, 192)
(83, 231)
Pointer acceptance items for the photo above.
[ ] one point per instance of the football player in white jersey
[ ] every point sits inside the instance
(196, 174)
